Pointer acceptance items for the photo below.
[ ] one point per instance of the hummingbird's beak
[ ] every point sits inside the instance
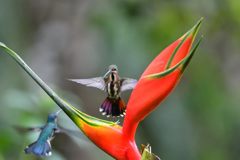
(58, 112)
(106, 73)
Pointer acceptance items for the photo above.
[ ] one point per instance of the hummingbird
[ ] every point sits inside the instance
(113, 85)
(42, 146)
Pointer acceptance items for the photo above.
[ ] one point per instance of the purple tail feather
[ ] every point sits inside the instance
(112, 106)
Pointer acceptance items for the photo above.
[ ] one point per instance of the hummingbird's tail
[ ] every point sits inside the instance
(113, 106)
(39, 148)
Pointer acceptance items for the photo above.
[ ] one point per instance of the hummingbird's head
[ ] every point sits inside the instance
(113, 68)
(53, 116)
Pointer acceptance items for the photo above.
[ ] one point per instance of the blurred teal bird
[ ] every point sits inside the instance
(42, 146)
(113, 85)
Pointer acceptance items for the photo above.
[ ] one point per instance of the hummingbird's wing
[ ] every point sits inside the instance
(21, 129)
(67, 131)
(127, 84)
(97, 82)
(36, 128)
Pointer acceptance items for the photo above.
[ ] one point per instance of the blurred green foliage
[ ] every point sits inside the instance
(80, 39)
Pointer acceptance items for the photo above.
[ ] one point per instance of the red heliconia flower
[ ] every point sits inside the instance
(157, 81)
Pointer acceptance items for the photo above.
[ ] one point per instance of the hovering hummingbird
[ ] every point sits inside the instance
(42, 146)
(113, 85)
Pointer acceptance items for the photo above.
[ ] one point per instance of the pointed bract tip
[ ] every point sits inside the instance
(2, 44)
(193, 31)
(196, 27)
(199, 22)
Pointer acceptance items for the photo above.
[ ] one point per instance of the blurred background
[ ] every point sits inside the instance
(59, 39)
